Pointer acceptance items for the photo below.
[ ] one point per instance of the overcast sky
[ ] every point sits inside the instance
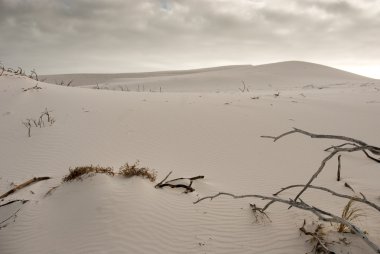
(73, 36)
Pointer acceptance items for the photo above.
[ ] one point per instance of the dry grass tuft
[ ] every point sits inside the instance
(134, 170)
(349, 213)
(78, 172)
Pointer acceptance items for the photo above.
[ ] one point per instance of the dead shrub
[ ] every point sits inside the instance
(134, 170)
(78, 172)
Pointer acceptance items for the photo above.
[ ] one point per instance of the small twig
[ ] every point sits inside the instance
(339, 167)
(49, 192)
(348, 186)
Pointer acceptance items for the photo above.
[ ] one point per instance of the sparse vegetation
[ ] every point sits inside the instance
(19, 72)
(31, 122)
(126, 170)
(349, 213)
(134, 170)
(78, 172)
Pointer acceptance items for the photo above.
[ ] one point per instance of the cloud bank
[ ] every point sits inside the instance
(61, 36)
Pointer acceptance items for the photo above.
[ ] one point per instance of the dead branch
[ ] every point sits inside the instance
(357, 146)
(363, 200)
(169, 183)
(320, 247)
(23, 185)
(13, 201)
(321, 214)
(373, 149)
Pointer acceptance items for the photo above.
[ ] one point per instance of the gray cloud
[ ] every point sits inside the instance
(58, 36)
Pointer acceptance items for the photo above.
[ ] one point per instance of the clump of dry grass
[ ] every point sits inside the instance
(134, 170)
(349, 213)
(78, 172)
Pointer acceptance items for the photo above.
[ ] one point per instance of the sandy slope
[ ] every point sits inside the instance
(213, 134)
(229, 78)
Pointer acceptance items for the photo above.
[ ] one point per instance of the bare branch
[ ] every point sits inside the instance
(321, 214)
(13, 201)
(357, 199)
(357, 146)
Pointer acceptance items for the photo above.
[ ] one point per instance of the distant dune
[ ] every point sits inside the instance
(281, 75)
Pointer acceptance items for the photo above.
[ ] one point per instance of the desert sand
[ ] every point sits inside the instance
(201, 123)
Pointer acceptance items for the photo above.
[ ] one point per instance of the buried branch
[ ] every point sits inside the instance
(317, 235)
(170, 183)
(321, 214)
(23, 185)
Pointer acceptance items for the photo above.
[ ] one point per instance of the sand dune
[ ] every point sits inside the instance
(283, 75)
(199, 133)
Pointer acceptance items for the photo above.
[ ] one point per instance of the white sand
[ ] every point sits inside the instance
(197, 133)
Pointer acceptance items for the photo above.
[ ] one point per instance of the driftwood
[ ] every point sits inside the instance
(356, 145)
(23, 185)
(321, 214)
(170, 183)
(363, 199)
